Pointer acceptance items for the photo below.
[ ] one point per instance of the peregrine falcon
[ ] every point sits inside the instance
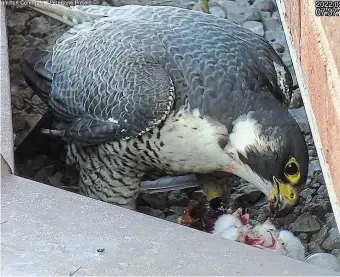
(153, 90)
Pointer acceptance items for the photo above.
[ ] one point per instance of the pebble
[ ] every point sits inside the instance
(336, 252)
(265, 5)
(177, 198)
(178, 210)
(307, 192)
(253, 14)
(149, 211)
(36, 100)
(315, 185)
(278, 47)
(320, 236)
(56, 179)
(319, 208)
(32, 119)
(303, 236)
(39, 27)
(321, 179)
(332, 240)
(330, 221)
(217, 11)
(322, 192)
(286, 56)
(300, 117)
(43, 173)
(255, 27)
(172, 218)
(313, 247)
(270, 36)
(313, 166)
(270, 24)
(155, 200)
(246, 191)
(309, 199)
(296, 100)
(197, 194)
(324, 260)
(235, 10)
(19, 23)
(312, 153)
(306, 223)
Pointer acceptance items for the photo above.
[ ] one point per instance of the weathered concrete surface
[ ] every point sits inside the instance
(48, 231)
(6, 134)
(315, 42)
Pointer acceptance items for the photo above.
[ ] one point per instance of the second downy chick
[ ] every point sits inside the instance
(266, 236)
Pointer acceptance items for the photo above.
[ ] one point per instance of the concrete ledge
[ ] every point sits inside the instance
(6, 135)
(312, 41)
(48, 231)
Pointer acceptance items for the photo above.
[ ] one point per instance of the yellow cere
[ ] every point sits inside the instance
(293, 178)
(288, 193)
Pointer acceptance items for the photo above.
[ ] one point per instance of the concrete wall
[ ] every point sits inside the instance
(315, 46)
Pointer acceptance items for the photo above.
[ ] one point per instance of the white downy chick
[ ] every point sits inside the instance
(263, 235)
(289, 245)
(231, 226)
(266, 236)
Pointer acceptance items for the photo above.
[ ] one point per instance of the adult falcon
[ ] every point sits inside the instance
(152, 90)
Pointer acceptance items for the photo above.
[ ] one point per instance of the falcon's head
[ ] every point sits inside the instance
(270, 152)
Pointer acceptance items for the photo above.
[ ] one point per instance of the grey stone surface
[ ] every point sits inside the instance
(322, 192)
(252, 14)
(301, 118)
(313, 166)
(296, 101)
(320, 236)
(324, 260)
(306, 223)
(247, 191)
(332, 240)
(330, 220)
(177, 198)
(149, 211)
(235, 11)
(19, 24)
(216, 10)
(307, 192)
(265, 5)
(255, 27)
(155, 200)
(336, 252)
(278, 47)
(313, 248)
(39, 27)
(271, 24)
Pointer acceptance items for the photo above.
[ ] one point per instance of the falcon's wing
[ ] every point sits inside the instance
(104, 88)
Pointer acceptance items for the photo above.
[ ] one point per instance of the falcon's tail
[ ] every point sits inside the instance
(62, 13)
(35, 67)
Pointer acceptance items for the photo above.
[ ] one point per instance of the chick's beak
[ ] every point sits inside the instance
(283, 198)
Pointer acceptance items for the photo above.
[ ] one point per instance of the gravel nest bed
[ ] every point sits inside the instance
(41, 158)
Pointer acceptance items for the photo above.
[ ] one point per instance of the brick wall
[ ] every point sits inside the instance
(315, 44)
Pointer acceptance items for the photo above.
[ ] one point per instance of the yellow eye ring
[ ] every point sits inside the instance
(292, 171)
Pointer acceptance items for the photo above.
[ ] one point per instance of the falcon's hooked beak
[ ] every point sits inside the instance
(283, 198)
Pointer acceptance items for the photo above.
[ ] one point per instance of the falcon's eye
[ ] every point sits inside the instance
(292, 171)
